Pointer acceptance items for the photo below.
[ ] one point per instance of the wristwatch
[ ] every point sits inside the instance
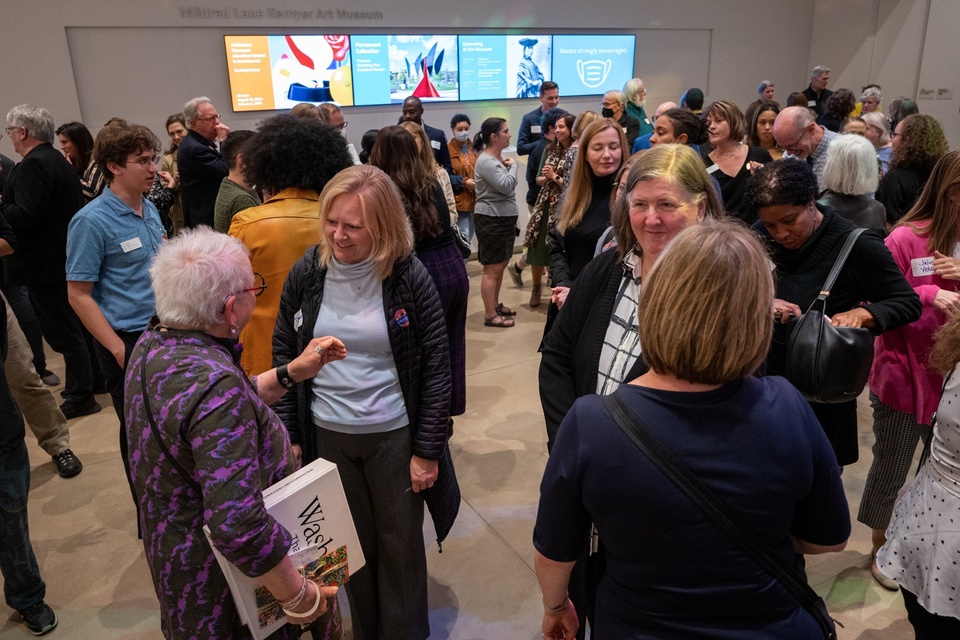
(283, 377)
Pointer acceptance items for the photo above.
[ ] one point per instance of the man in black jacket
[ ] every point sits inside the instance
(199, 162)
(413, 112)
(817, 92)
(40, 197)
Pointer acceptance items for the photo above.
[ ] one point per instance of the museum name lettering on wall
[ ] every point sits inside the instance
(197, 12)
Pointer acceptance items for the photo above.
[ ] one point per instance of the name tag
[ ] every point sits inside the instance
(647, 120)
(535, 129)
(131, 245)
(435, 144)
(624, 129)
(811, 103)
(298, 320)
(713, 168)
(922, 266)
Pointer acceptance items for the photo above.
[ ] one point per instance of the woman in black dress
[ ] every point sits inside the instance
(731, 162)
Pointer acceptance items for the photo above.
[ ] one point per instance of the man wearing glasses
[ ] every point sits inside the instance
(332, 115)
(796, 131)
(201, 166)
(40, 196)
(110, 244)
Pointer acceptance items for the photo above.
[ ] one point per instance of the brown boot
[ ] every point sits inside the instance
(535, 296)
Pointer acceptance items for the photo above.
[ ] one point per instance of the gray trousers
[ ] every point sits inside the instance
(37, 403)
(388, 597)
(896, 435)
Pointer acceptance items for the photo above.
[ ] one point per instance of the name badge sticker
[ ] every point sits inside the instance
(712, 168)
(131, 245)
(298, 319)
(811, 103)
(535, 128)
(435, 144)
(922, 266)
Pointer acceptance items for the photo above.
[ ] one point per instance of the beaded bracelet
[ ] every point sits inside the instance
(313, 609)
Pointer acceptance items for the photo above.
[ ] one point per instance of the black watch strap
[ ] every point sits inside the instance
(283, 377)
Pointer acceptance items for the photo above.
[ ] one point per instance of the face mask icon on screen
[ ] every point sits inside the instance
(593, 73)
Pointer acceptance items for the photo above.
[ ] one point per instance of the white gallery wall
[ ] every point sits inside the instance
(94, 59)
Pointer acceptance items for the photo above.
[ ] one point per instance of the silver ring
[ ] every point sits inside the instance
(319, 350)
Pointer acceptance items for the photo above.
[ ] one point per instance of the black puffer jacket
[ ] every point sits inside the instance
(419, 348)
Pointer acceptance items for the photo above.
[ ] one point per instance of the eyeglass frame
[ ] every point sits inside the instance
(256, 290)
(145, 162)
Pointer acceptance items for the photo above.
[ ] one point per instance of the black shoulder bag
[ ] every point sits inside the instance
(721, 514)
(825, 363)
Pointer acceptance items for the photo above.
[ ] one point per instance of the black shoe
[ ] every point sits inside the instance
(40, 619)
(49, 378)
(67, 464)
(76, 409)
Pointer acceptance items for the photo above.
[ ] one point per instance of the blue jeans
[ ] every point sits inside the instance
(465, 222)
(22, 585)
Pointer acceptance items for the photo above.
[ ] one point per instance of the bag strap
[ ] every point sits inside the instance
(715, 509)
(838, 265)
(153, 423)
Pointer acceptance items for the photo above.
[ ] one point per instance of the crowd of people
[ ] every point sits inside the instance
(253, 300)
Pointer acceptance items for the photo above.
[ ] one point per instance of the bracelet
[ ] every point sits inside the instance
(557, 609)
(283, 377)
(313, 609)
(294, 601)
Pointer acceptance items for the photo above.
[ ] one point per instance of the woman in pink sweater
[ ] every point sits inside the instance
(904, 389)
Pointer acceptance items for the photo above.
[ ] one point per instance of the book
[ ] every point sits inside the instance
(312, 506)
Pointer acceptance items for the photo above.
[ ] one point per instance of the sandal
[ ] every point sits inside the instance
(503, 310)
(498, 321)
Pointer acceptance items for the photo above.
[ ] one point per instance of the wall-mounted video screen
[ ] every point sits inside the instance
(498, 67)
(390, 68)
(277, 72)
(586, 65)
(270, 72)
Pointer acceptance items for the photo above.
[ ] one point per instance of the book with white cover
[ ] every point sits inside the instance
(312, 506)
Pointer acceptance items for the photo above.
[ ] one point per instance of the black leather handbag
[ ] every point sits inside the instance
(724, 517)
(825, 363)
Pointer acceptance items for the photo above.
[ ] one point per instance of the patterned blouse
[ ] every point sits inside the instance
(231, 445)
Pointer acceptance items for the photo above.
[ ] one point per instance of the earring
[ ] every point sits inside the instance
(234, 329)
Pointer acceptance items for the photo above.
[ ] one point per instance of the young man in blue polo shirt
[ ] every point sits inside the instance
(110, 244)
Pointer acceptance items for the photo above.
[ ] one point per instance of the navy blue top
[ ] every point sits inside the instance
(671, 573)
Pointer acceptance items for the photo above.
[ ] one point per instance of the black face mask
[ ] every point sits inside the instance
(606, 113)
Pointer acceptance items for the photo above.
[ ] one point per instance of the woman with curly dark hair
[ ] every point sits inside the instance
(918, 143)
(396, 153)
(839, 105)
(291, 159)
(76, 143)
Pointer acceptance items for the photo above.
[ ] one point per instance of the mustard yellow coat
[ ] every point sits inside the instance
(278, 232)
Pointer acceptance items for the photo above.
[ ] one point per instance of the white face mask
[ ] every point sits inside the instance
(462, 136)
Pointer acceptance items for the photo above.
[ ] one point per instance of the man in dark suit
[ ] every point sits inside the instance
(530, 124)
(40, 197)
(199, 162)
(817, 92)
(413, 112)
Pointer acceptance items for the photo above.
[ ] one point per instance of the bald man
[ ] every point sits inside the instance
(643, 142)
(797, 132)
(413, 112)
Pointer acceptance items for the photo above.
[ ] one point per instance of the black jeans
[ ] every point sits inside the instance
(926, 625)
(63, 332)
(114, 376)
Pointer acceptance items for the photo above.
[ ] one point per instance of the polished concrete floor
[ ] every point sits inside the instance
(481, 586)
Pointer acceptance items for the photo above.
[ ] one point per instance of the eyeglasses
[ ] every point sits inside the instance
(793, 146)
(146, 162)
(342, 126)
(257, 290)
(215, 116)
(9, 129)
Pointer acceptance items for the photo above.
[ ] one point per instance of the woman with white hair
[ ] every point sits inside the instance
(205, 443)
(636, 96)
(850, 180)
(878, 133)
(870, 100)
(613, 105)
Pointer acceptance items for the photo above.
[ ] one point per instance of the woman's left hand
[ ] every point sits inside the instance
(946, 267)
(560, 625)
(319, 352)
(855, 318)
(423, 473)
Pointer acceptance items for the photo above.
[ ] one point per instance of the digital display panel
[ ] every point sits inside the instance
(585, 65)
(498, 67)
